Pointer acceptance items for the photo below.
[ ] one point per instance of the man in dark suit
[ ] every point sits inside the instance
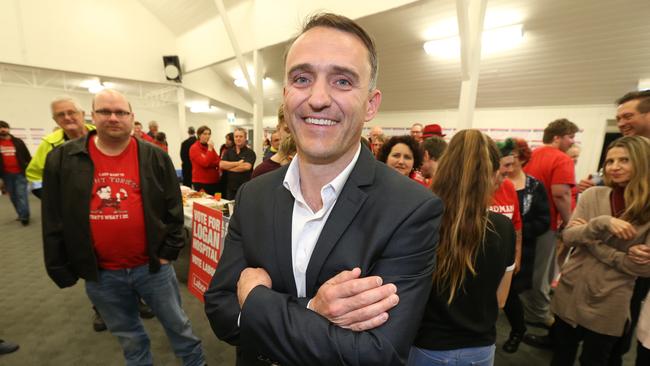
(185, 157)
(328, 260)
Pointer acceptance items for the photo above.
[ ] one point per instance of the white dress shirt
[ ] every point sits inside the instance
(307, 225)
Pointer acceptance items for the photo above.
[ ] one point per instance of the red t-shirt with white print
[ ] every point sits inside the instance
(116, 214)
(8, 152)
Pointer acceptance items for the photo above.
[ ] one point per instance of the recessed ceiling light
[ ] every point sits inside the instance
(493, 41)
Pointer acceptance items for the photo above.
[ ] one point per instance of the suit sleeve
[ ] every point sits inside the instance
(221, 303)
(54, 250)
(279, 325)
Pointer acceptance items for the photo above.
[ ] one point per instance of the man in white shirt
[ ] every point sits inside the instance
(329, 260)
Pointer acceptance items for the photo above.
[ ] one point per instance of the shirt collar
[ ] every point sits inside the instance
(292, 177)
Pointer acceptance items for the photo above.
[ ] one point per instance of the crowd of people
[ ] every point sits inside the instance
(393, 250)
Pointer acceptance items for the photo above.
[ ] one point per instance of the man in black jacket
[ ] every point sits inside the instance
(14, 158)
(113, 215)
(185, 157)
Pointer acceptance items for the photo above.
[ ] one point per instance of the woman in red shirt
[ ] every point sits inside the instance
(205, 162)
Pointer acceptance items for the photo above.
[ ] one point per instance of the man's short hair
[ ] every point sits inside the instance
(434, 146)
(137, 123)
(347, 25)
(417, 124)
(642, 96)
(66, 98)
(4, 124)
(153, 123)
(559, 127)
(241, 129)
(190, 130)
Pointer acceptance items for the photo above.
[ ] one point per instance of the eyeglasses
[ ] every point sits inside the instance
(64, 114)
(108, 113)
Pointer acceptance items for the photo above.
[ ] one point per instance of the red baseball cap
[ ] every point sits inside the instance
(432, 130)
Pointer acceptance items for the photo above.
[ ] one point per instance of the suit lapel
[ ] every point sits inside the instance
(343, 213)
(282, 217)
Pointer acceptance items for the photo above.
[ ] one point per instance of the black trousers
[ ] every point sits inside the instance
(623, 344)
(642, 355)
(187, 174)
(514, 311)
(596, 347)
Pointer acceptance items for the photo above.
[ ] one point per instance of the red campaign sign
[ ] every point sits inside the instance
(207, 231)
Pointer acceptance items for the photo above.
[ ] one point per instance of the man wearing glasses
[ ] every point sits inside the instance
(69, 116)
(113, 215)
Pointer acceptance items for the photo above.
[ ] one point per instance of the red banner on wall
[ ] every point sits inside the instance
(207, 233)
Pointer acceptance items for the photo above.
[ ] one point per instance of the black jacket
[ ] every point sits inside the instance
(67, 188)
(22, 155)
(185, 150)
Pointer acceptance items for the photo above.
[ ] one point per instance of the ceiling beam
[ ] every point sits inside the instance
(471, 15)
(235, 45)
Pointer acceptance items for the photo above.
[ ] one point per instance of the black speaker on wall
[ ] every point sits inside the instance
(172, 68)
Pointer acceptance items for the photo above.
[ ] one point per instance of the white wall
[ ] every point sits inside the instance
(592, 119)
(117, 38)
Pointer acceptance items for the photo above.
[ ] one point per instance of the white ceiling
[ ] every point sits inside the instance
(575, 52)
(181, 16)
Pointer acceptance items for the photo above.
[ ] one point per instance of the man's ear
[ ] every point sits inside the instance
(373, 104)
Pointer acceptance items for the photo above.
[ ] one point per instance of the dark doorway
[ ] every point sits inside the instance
(609, 137)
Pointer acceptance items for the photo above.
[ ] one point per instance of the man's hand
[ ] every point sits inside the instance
(249, 279)
(584, 184)
(355, 303)
(163, 261)
(639, 254)
(621, 229)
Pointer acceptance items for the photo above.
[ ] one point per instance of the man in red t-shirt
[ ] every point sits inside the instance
(112, 214)
(139, 134)
(14, 158)
(554, 168)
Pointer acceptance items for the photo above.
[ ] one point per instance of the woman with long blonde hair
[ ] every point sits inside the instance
(475, 258)
(608, 229)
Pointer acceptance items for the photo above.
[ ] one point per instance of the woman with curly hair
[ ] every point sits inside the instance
(403, 154)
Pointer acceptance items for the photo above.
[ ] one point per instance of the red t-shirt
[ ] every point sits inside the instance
(506, 202)
(551, 166)
(116, 214)
(8, 152)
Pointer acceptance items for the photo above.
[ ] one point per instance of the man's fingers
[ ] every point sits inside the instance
(355, 286)
(368, 312)
(344, 276)
(368, 324)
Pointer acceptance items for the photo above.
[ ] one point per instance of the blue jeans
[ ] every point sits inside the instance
(16, 185)
(116, 297)
(474, 356)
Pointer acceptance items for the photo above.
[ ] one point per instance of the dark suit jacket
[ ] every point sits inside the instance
(382, 222)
